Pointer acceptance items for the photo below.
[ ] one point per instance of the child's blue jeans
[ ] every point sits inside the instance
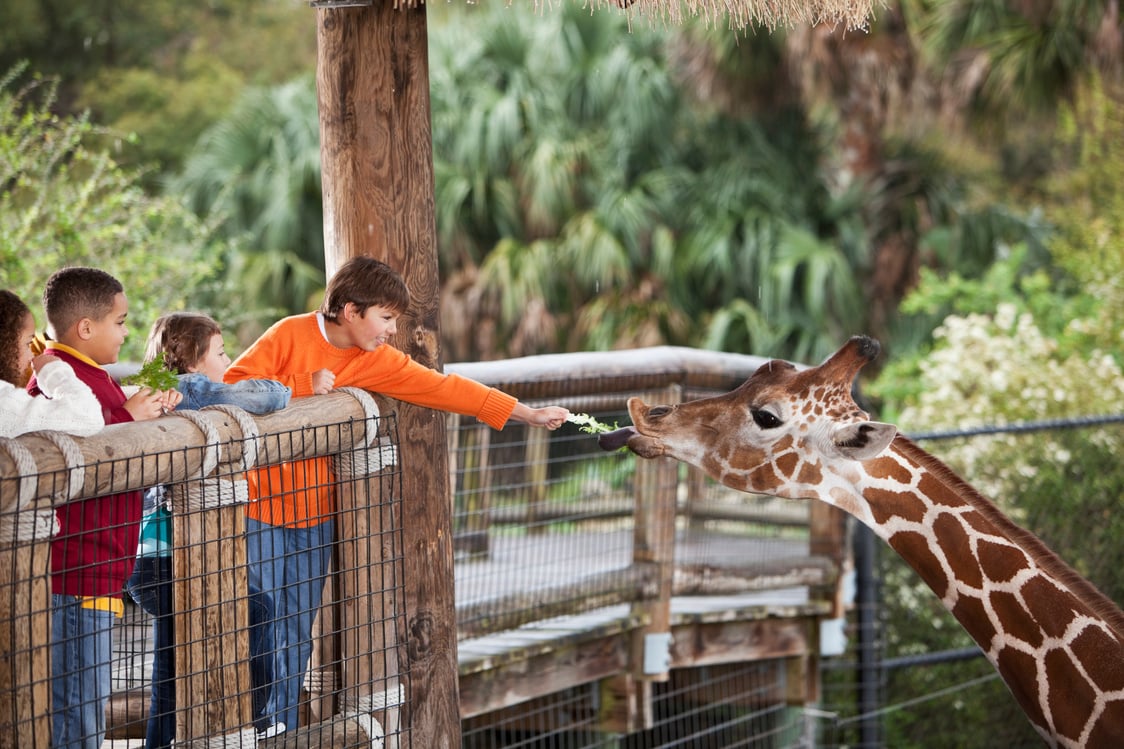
(289, 565)
(81, 670)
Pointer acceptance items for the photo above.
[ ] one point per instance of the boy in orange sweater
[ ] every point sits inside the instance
(289, 518)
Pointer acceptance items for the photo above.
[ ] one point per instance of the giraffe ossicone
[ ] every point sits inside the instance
(1057, 642)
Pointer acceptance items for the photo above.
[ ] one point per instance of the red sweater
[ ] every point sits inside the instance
(299, 493)
(92, 554)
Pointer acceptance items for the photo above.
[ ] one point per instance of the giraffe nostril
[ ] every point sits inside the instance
(658, 411)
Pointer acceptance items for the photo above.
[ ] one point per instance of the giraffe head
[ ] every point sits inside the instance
(784, 431)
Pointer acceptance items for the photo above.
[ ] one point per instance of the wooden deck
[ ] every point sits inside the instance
(757, 616)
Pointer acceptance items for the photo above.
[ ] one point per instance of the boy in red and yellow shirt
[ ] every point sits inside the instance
(92, 554)
(289, 519)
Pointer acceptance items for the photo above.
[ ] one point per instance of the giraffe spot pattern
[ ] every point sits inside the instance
(1050, 605)
(1107, 674)
(1105, 735)
(1001, 560)
(915, 547)
(786, 464)
(1071, 697)
(888, 469)
(885, 505)
(936, 491)
(968, 609)
(977, 522)
(1013, 622)
(957, 549)
(810, 474)
(1020, 671)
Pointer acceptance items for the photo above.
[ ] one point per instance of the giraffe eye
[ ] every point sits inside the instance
(765, 419)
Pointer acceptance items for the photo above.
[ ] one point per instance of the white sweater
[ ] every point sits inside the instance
(71, 407)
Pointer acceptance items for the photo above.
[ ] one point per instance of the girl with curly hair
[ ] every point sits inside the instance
(70, 405)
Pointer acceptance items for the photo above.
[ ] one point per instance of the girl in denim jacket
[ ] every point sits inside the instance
(192, 346)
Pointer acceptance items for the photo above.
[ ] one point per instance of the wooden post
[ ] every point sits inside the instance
(377, 182)
(696, 493)
(370, 606)
(25, 632)
(828, 537)
(210, 613)
(654, 544)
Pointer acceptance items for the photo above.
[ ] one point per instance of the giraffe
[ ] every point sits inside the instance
(1056, 641)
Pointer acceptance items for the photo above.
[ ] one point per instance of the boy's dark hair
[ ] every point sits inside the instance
(13, 313)
(74, 293)
(183, 337)
(365, 282)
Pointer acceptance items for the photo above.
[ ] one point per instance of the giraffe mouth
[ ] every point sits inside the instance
(616, 439)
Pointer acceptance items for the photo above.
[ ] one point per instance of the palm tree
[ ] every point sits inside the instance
(544, 131)
(583, 202)
(1003, 59)
(258, 171)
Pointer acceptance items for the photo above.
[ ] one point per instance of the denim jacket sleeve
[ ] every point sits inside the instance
(256, 396)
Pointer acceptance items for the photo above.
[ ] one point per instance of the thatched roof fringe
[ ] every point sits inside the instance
(850, 15)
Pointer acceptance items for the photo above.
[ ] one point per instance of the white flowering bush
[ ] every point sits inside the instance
(999, 369)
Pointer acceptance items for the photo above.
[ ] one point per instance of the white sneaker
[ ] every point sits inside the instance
(271, 731)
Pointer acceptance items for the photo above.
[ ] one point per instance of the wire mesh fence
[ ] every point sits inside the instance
(910, 675)
(567, 560)
(203, 623)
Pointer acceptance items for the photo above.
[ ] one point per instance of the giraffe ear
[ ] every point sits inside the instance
(864, 440)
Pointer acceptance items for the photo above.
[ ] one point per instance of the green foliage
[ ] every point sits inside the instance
(1028, 56)
(154, 375)
(582, 203)
(164, 118)
(1089, 200)
(590, 425)
(157, 71)
(67, 202)
(256, 174)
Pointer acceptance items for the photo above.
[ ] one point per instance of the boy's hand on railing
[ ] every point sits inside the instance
(322, 381)
(170, 399)
(147, 404)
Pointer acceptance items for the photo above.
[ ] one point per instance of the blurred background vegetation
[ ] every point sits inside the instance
(951, 182)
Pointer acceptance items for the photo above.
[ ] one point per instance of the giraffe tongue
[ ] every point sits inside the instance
(615, 439)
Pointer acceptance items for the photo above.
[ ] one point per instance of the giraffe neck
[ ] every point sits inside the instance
(1057, 642)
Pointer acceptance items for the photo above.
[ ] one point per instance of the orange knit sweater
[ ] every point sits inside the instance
(299, 493)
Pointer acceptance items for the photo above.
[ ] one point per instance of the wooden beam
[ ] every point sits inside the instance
(516, 681)
(708, 643)
(377, 176)
(653, 543)
(137, 455)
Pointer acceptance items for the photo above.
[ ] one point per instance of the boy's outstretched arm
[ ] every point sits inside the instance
(550, 417)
